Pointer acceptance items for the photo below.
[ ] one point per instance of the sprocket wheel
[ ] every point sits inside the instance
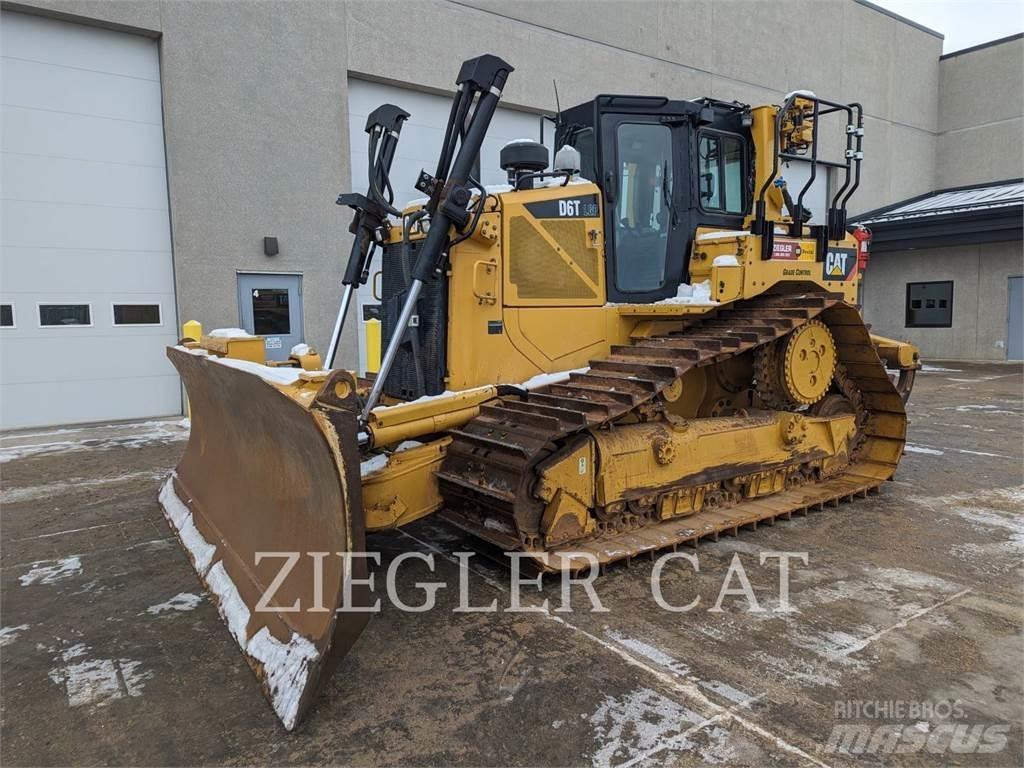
(797, 369)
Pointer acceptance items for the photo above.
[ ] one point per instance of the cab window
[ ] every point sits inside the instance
(720, 173)
(643, 209)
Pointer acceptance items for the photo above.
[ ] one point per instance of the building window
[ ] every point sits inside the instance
(6, 315)
(136, 314)
(64, 314)
(720, 166)
(930, 305)
(270, 312)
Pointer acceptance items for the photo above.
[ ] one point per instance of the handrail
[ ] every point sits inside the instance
(835, 227)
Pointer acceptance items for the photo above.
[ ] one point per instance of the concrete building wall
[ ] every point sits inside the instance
(255, 101)
(981, 115)
(980, 297)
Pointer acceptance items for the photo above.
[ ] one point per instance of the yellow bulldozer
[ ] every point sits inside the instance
(648, 341)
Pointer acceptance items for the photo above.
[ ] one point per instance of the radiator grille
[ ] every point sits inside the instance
(539, 272)
(420, 366)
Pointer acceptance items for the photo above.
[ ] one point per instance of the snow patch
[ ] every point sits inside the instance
(180, 518)
(300, 349)
(56, 489)
(726, 260)
(800, 92)
(181, 602)
(937, 369)
(911, 448)
(723, 234)
(373, 464)
(135, 436)
(559, 181)
(10, 634)
(546, 379)
(50, 571)
(97, 682)
(698, 293)
(265, 372)
(649, 652)
(639, 725)
(425, 399)
(229, 333)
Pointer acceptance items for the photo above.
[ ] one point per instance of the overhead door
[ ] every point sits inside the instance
(418, 149)
(86, 277)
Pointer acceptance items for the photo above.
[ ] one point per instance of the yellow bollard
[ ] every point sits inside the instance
(372, 345)
(193, 329)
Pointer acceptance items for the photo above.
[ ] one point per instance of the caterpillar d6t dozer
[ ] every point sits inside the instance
(649, 341)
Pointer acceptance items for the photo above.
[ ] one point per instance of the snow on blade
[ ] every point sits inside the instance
(426, 399)
(265, 372)
(286, 666)
(180, 518)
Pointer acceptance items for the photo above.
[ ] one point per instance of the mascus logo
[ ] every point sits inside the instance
(839, 263)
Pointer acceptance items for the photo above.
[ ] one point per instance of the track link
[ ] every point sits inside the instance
(488, 474)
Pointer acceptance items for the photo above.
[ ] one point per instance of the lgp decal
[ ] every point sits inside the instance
(583, 207)
(839, 264)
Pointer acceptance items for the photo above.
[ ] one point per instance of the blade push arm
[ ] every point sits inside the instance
(370, 210)
(480, 81)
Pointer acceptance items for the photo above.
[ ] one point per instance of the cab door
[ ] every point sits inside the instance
(644, 161)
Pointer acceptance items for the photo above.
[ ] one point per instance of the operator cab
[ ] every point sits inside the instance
(664, 168)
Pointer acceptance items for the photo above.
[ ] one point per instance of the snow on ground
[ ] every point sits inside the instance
(50, 571)
(19, 445)
(911, 448)
(183, 601)
(96, 682)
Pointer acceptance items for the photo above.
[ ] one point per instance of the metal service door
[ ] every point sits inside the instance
(1015, 333)
(271, 306)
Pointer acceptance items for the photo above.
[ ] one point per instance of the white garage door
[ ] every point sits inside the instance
(419, 147)
(86, 277)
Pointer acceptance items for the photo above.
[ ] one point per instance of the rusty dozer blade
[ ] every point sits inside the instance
(270, 479)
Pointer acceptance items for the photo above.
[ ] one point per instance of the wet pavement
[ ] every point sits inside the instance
(904, 647)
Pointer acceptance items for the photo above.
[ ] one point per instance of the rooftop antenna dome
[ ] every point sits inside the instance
(522, 157)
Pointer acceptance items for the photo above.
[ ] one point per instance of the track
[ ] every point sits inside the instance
(489, 472)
